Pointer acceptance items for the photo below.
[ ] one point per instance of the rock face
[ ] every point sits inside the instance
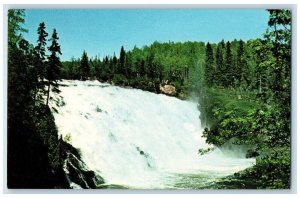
(76, 171)
(168, 89)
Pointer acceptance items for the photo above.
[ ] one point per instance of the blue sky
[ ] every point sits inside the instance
(103, 32)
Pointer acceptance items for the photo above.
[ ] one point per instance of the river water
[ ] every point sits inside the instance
(140, 140)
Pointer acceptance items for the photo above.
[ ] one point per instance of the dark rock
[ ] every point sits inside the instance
(76, 170)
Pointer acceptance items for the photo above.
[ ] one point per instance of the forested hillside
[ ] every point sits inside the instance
(181, 64)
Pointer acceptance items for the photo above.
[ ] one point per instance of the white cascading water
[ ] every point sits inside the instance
(137, 138)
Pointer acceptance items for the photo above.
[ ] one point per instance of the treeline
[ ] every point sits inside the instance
(34, 155)
(145, 68)
(229, 65)
(261, 116)
(183, 65)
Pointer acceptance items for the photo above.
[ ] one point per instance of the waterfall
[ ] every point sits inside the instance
(136, 138)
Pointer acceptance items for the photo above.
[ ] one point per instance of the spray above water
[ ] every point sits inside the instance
(137, 138)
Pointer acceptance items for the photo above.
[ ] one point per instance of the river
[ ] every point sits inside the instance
(138, 139)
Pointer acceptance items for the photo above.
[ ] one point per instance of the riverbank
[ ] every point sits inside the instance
(243, 120)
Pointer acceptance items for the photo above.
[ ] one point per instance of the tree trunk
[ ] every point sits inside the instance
(48, 93)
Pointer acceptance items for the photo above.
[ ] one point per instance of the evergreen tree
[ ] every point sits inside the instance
(41, 48)
(54, 65)
(150, 67)
(128, 65)
(209, 65)
(122, 69)
(262, 71)
(239, 60)
(98, 67)
(242, 73)
(105, 69)
(114, 64)
(72, 69)
(219, 64)
(229, 74)
(280, 38)
(18, 65)
(222, 43)
(30, 158)
(159, 67)
(142, 71)
(84, 66)
(15, 29)
(40, 61)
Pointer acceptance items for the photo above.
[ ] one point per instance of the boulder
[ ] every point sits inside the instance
(76, 171)
(79, 174)
(168, 90)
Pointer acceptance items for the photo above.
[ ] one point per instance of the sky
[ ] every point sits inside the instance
(103, 32)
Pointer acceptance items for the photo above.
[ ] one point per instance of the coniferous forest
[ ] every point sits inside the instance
(243, 88)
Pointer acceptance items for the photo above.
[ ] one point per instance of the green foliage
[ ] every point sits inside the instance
(39, 62)
(33, 157)
(242, 72)
(266, 129)
(122, 67)
(266, 125)
(273, 170)
(120, 79)
(220, 67)
(84, 66)
(15, 29)
(209, 69)
(187, 65)
(40, 50)
(270, 172)
(46, 129)
(213, 100)
(229, 75)
(53, 65)
(263, 127)
(202, 151)
(146, 67)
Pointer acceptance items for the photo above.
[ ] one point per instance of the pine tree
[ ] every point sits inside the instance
(239, 60)
(209, 65)
(28, 153)
(98, 67)
(54, 65)
(40, 61)
(18, 66)
(262, 71)
(150, 67)
(128, 64)
(84, 66)
(122, 69)
(114, 64)
(41, 48)
(229, 74)
(280, 37)
(15, 29)
(242, 73)
(219, 64)
(72, 69)
(142, 67)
